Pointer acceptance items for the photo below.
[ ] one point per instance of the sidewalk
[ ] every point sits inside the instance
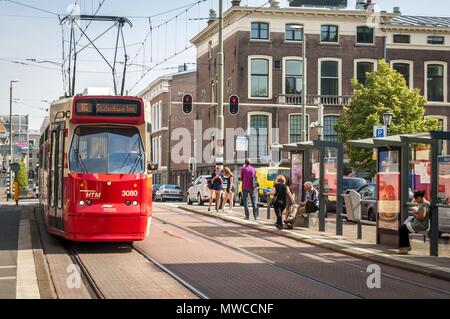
(417, 261)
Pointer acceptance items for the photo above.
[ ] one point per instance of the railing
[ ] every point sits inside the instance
(330, 100)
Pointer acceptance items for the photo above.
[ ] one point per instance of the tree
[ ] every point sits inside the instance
(386, 91)
(22, 176)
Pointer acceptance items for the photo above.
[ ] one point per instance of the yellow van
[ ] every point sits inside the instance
(266, 177)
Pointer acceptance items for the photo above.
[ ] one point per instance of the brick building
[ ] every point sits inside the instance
(263, 65)
(158, 94)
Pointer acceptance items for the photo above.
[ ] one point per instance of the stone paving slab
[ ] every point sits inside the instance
(438, 267)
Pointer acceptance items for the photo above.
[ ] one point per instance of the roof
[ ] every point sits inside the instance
(421, 21)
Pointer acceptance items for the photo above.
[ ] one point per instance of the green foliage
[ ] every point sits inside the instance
(386, 91)
(22, 175)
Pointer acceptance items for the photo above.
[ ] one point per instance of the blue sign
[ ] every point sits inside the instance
(380, 132)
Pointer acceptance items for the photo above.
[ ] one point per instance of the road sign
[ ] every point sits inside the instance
(241, 143)
(379, 131)
(15, 167)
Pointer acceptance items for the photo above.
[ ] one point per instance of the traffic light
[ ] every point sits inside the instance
(187, 103)
(234, 104)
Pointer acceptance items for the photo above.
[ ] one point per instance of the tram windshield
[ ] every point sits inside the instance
(107, 150)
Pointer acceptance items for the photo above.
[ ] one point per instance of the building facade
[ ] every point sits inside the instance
(166, 117)
(20, 138)
(264, 66)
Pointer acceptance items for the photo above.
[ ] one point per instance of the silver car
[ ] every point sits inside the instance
(169, 192)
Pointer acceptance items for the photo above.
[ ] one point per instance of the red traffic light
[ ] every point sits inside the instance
(233, 105)
(187, 103)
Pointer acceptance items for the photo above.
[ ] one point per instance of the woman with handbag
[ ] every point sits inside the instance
(216, 187)
(281, 195)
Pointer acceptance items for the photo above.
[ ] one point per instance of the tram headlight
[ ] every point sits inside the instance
(135, 202)
(89, 202)
(81, 203)
(127, 202)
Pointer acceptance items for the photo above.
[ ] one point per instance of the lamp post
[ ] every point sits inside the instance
(169, 126)
(10, 134)
(387, 120)
(301, 27)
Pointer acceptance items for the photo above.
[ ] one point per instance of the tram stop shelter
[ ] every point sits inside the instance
(394, 162)
(330, 172)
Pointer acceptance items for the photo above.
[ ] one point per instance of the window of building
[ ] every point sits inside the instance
(362, 68)
(259, 77)
(259, 135)
(435, 82)
(435, 39)
(364, 35)
(329, 133)
(294, 32)
(293, 76)
(403, 69)
(329, 78)
(260, 31)
(402, 38)
(329, 33)
(296, 128)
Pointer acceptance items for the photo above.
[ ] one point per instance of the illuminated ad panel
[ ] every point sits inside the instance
(297, 176)
(388, 179)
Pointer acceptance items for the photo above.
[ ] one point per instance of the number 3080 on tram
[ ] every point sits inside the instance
(95, 179)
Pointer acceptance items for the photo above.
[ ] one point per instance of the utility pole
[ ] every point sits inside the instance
(220, 66)
(10, 134)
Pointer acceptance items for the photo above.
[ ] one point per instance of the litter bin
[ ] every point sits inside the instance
(352, 200)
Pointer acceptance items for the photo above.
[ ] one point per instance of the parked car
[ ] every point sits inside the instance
(444, 214)
(369, 201)
(169, 192)
(199, 191)
(266, 177)
(155, 188)
(347, 183)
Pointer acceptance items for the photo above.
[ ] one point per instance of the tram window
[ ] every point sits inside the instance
(102, 150)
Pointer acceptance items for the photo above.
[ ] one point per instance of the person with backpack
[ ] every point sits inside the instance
(249, 188)
(215, 184)
(281, 195)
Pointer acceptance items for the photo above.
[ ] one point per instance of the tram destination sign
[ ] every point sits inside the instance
(108, 108)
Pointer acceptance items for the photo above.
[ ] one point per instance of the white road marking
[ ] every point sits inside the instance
(8, 278)
(26, 286)
(7, 267)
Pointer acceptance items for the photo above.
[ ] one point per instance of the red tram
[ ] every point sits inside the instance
(95, 183)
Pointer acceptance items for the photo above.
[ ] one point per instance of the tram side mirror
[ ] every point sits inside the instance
(152, 167)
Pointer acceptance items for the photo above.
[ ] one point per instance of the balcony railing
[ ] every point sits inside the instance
(327, 100)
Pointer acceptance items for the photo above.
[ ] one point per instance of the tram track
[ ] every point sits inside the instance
(88, 280)
(261, 259)
(304, 251)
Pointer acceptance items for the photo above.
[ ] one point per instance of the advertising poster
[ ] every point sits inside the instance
(388, 190)
(444, 179)
(330, 178)
(297, 176)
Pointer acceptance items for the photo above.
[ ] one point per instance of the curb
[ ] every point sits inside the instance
(415, 267)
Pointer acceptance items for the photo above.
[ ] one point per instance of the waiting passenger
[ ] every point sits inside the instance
(310, 205)
(420, 221)
(281, 195)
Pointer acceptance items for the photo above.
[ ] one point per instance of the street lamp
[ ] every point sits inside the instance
(301, 27)
(387, 120)
(10, 134)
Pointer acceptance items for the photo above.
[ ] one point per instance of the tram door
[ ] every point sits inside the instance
(56, 177)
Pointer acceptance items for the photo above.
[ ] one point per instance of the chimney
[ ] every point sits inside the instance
(212, 16)
(274, 3)
(236, 3)
(182, 67)
(397, 10)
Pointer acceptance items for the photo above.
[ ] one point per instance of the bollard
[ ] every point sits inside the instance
(359, 229)
(16, 193)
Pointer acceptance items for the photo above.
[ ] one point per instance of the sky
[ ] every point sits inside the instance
(27, 33)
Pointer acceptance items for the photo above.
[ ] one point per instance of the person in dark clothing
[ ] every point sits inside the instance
(420, 221)
(282, 194)
(216, 187)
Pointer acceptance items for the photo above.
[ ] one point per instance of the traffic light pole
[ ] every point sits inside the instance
(220, 66)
